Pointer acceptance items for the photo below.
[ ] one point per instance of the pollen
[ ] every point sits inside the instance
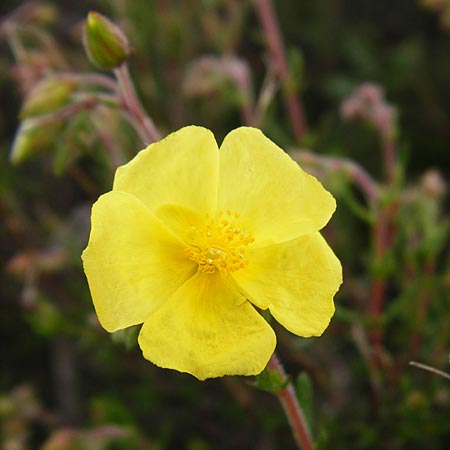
(220, 245)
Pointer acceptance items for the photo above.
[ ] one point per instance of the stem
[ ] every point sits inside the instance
(378, 290)
(383, 237)
(272, 33)
(64, 113)
(359, 335)
(292, 408)
(239, 72)
(389, 151)
(142, 122)
(115, 155)
(246, 106)
(359, 176)
(47, 43)
(14, 42)
(266, 96)
(429, 369)
(91, 78)
(422, 309)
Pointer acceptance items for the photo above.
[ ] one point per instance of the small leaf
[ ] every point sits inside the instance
(271, 381)
(34, 137)
(304, 391)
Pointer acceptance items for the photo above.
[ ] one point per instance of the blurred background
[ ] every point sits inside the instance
(359, 94)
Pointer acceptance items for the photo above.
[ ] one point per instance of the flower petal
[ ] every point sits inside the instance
(208, 330)
(277, 199)
(132, 262)
(296, 280)
(181, 169)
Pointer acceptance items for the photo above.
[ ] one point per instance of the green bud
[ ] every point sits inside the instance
(49, 94)
(34, 137)
(105, 43)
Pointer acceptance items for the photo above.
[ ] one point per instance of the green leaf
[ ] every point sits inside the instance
(271, 381)
(304, 392)
(127, 337)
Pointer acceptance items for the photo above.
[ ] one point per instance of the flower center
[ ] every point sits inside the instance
(220, 245)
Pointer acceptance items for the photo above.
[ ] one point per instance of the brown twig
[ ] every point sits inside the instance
(430, 369)
(292, 408)
(272, 34)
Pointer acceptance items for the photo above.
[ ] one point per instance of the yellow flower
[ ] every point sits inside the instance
(191, 237)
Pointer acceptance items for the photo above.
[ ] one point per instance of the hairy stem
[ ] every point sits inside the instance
(142, 122)
(383, 236)
(292, 408)
(272, 34)
(90, 78)
(358, 175)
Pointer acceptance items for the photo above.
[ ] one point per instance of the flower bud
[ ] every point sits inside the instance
(34, 137)
(49, 94)
(105, 43)
(433, 184)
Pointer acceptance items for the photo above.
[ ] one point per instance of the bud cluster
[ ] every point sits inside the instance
(367, 103)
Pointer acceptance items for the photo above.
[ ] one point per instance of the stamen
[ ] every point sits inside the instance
(220, 245)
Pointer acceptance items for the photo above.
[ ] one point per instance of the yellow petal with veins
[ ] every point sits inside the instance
(278, 200)
(296, 280)
(208, 330)
(133, 263)
(181, 169)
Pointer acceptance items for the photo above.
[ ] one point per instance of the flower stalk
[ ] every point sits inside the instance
(90, 79)
(356, 172)
(292, 408)
(274, 40)
(142, 122)
(430, 369)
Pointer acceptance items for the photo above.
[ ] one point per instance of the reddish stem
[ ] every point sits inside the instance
(422, 309)
(272, 33)
(378, 290)
(358, 175)
(91, 78)
(144, 125)
(292, 408)
(383, 238)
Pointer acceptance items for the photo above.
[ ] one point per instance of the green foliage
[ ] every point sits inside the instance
(271, 381)
(304, 391)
